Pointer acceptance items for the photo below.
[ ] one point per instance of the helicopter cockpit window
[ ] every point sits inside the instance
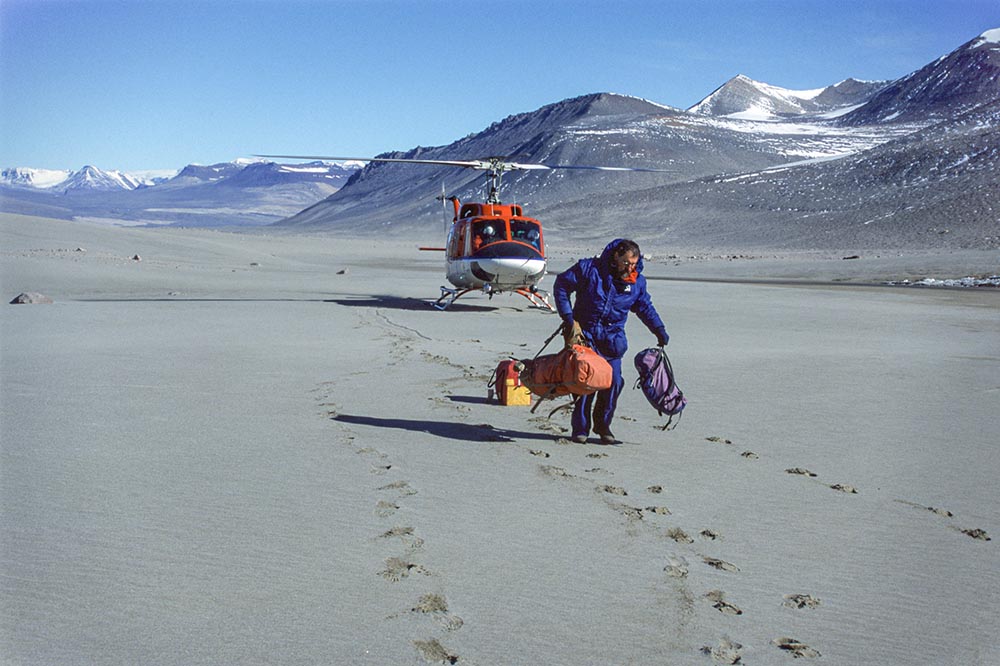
(526, 232)
(485, 232)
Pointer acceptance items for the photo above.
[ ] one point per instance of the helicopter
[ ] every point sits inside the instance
(490, 247)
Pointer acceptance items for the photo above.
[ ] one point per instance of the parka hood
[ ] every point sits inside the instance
(609, 249)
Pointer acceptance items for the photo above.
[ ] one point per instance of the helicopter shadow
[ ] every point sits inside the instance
(463, 432)
(403, 303)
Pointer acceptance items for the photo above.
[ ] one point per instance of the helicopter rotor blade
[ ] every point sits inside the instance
(490, 164)
(528, 166)
(469, 164)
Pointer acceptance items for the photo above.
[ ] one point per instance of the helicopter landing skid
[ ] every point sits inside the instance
(449, 296)
(537, 297)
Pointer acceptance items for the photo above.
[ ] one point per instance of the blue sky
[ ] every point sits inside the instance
(157, 84)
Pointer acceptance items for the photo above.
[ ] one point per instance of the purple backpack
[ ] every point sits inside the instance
(656, 378)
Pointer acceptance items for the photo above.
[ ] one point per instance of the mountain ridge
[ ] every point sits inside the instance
(844, 159)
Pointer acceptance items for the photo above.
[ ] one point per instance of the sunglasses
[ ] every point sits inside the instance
(622, 262)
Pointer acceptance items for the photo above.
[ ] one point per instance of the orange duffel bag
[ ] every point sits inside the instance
(578, 370)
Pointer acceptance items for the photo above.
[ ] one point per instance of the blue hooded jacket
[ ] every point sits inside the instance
(603, 302)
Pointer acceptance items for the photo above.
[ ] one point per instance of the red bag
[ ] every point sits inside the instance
(509, 389)
(578, 370)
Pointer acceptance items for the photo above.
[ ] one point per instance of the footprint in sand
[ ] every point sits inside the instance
(677, 566)
(800, 601)
(396, 569)
(487, 433)
(436, 607)
(750, 455)
(721, 565)
(721, 440)
(797, 648)
(402, 486)
(711, 535)
(378, 468)
(597, 455)
(800, 470)
(975, 533)
(434, 653)
(404, 534)
(551, 470)
(658, 510)
(631, 512)
(384, 509)
(614, 490)
(538, 453)
(850, 490)
(726, 652)
(679, 535)
(546, 425)
(941, 512)
(656, 490)
(719, 603)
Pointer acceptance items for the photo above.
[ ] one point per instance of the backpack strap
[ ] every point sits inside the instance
(568, 405)
(547, 341)
(666, 426)
(548, 395)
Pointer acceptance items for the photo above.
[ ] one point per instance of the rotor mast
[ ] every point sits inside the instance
(494, 177)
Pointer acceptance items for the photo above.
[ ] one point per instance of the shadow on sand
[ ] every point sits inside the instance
(401, 303)
(482, 432)
(471, 399)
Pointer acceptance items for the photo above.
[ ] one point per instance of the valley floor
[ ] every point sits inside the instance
(269, 449)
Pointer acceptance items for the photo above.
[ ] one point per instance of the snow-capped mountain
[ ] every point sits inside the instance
(87, 178)
(742, 97)
(91, 178)
(960, 81)
(27, 177)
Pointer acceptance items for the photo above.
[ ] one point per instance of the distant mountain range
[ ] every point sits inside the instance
(242, 192)
(910, 163)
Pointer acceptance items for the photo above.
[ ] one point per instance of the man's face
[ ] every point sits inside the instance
(624, 265)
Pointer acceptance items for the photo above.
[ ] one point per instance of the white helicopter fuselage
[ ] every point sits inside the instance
(495, 248)
(496, 273)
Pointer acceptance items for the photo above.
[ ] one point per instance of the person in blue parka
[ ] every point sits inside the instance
(606, 289)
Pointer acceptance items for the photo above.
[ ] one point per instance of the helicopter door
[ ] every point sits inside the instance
(457, 241)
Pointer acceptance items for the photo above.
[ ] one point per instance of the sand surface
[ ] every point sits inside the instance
(230, 451)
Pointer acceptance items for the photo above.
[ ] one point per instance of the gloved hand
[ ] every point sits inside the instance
(572, 334)
(662, 338)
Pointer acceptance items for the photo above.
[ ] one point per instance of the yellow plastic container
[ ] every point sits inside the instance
(514, 394)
